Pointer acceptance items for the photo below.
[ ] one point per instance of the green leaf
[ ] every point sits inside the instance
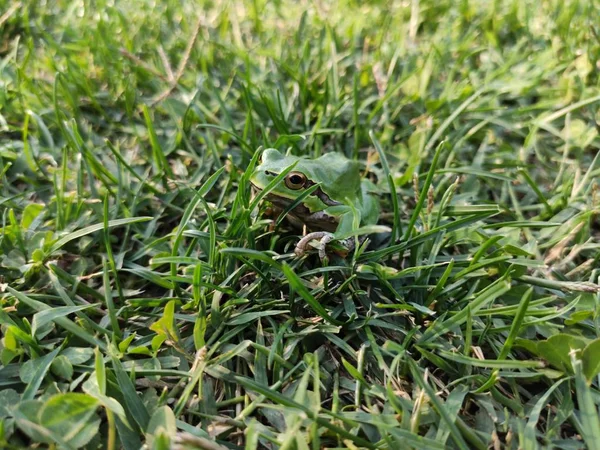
(159, 158)
(296, 284)
(27, 417)
(62, 367)
(50, 315)
(124, 344)
(30, 213)
(62, 321)
(133, 402)
(405, 438)
(68, 419)
(529, 438)
(287, 139)
(483, 298)
(250, 254)
(162, 425)
(369, 229)
(187, 215)
(590, 422)
(78, 355)
(100, 371)
(35, 373)
(396, 228)
(200, 327)
(424, 189)
(166, 324)
(92, 388)
(253, 316)
(150, 275)
(453, 404)
(501, 364)
(441, 408)
(557, 350)
(353, 371)
(9, 400)
(71, 416)
(92, 229)
(590, 358)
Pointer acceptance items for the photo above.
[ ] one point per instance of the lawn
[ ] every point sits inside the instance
(148, 298)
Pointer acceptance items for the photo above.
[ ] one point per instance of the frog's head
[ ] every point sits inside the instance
(338, 179)
(272, 163)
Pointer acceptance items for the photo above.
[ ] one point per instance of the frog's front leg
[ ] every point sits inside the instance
(324, 238)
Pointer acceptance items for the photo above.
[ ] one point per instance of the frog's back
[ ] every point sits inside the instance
(338, 175)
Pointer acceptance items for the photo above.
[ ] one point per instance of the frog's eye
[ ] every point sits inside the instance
(295, 180)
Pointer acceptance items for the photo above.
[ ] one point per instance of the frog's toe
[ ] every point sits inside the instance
(323, 245)
(299, 251)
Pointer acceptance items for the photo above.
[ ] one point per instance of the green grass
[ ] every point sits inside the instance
(145, 298)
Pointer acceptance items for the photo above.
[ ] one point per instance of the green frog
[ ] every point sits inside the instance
(341, 203)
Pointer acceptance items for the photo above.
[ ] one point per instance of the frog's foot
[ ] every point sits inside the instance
(324, 238)
(302, 245)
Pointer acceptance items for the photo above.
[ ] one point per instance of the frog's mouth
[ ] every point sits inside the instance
(277, 200)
